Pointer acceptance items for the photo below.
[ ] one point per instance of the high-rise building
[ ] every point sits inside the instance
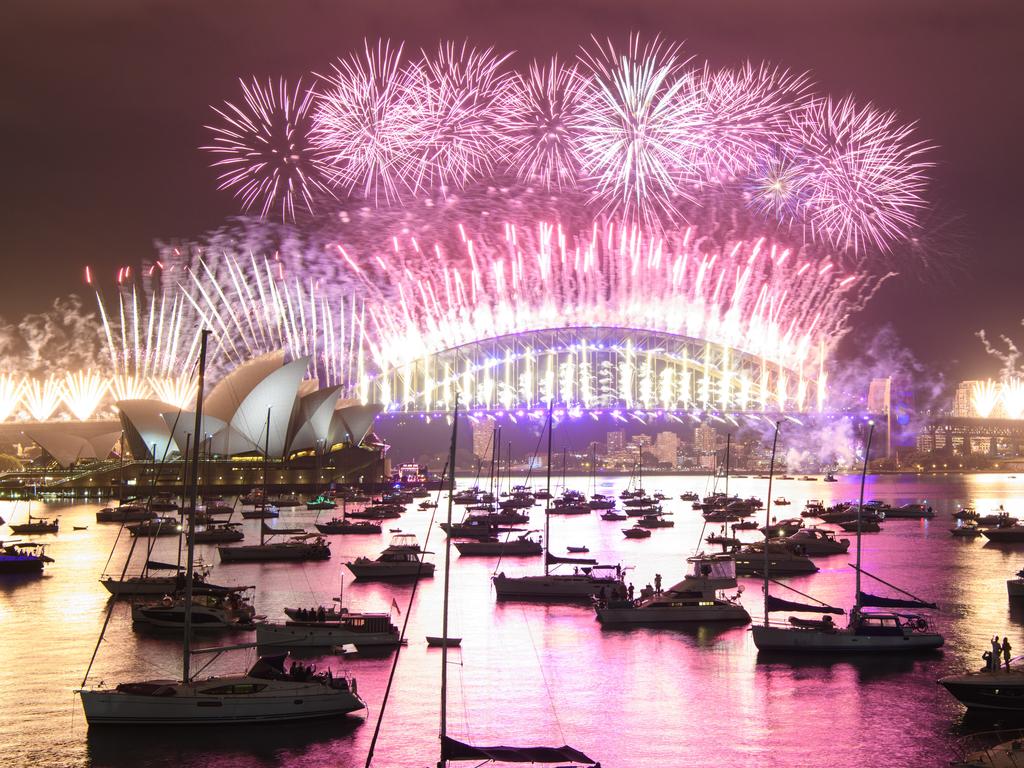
(666, 448)
(483, 439)
(615, 441)
(880, 396)
(705, 439)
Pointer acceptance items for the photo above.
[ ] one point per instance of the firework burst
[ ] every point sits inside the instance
(10, 395)
(266, 156)
(541, 120)
(365, 124)
(82, 393)
(642, 123)
(41, 397)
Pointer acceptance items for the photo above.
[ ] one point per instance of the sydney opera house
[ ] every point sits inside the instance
(310, 436)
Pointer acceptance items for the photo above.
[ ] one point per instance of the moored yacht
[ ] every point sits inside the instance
(995, 688)
(697, 598)
(210, 611)
(782, 561)
(344, 628)
(402, 559)
(22, 557)
(520, 546)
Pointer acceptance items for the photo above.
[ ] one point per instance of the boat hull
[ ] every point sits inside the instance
(840, 641)
(1015, 587)
(564, 587)
(153, 586)
(992, 691)
(256, 553)
(188, 707)
(696, 614)
(381, 572)
(320, 636)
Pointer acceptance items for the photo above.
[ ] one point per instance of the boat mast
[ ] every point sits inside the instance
(266, 501)
(547, 500)
(184, 501)
(860, 511)
(564, 452)
(186, 646)
(728, 445)
(447, 570)
(767, 516)
(640, 468)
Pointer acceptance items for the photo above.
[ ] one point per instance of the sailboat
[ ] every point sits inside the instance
(267, 692)
(36, 524)
(867, 631)
(301, 545)
(583, 584)
(452, 750)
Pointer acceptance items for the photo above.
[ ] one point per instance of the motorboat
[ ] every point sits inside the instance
(782, 561)
(967, 513)
(163, 502)
(600, 501)
(997, 520)
(808, 478)
(149, 584)
(647, 509)
(655, 521)
(403, 558)
(611, 514)
(36, 525)
(285, 501)
(344, 627)
(1011, 534)
(830, 478)
(261, 512)
(698, 598)
(340, 525)
(782, 528)
(781, 501)
(744, 525)
(993, 689)
(909, 512)
(378, 512)
(475, 527)
(158, 526)
(521, 546)
(813, 508)
(125, 513)
(636, 532)
(968, 530)
(22, 557)
(690, 496)
(817, 541)
(1015, 587)
(1005, 754)
(866, 526)
(210, 611)
(219, 533)
(321, 502)
(578, 550)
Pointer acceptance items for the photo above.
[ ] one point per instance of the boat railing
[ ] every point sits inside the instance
(986, 742)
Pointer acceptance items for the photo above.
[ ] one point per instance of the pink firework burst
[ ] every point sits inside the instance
(365, 124)
(265, 154)
(747, 112)
(641, 121)
(541, 124)
(865, 176)
(456, 97)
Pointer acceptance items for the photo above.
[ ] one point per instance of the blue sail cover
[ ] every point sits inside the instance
(456, 750)
(778, 604)
(874, 601)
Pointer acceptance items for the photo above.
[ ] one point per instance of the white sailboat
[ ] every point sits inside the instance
(267, 692)
(867, 631)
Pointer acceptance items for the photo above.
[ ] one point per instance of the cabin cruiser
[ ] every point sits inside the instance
(520, 546)
(697, 598)
(782, 561)
(344, 525)
(1015, 587)
(909, 512)
(966, 530)
(813, 508)
(998, 519)
(1010, 534)
(22, 557)
(817, 541)
(600, 501)
(219, 533)
(378, 512)
(475, 527)
(782, 528)
(584, 582)
(781, 501)
(268, 692)
(321, 502)
(866, 526)
(690, 496)
(222, 611)
(655, 521)
(302, 546)
(636, 532)
(163, 502)
(611, 514)
(327, 629)
(994, 688)
(261, 512)
(401, 559)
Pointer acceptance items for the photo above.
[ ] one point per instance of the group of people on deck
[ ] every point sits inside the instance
(313, 614)
(992, 657)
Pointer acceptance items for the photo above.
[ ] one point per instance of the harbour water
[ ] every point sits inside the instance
(534, 673)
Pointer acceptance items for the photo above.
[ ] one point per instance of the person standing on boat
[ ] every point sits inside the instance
(657, 583)
(995, 653)
(1006, 653)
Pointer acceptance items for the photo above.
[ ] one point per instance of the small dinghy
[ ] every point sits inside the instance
(578, 549)
(440, 642)
(80, 527)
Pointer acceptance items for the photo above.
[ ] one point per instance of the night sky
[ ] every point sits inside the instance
(103, 104)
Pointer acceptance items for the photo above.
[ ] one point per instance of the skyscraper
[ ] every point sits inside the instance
(666, 448)
(483, 437)
(705, 439)
(615, 442)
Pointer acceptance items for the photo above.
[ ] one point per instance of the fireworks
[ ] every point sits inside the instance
(638, 131)
(1013, 398)
(266, 156)
(10, 395)
(41, 397)
(82, 393)
(984, 398)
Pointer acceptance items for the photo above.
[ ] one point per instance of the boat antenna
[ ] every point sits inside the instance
(860, 510)
(186, 646)
(547, 500)
(768, 517)
(447, 572)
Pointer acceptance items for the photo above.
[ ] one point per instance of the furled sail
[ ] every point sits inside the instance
(874, 601)
(456, 750)
(778, 604)
(555, 559)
